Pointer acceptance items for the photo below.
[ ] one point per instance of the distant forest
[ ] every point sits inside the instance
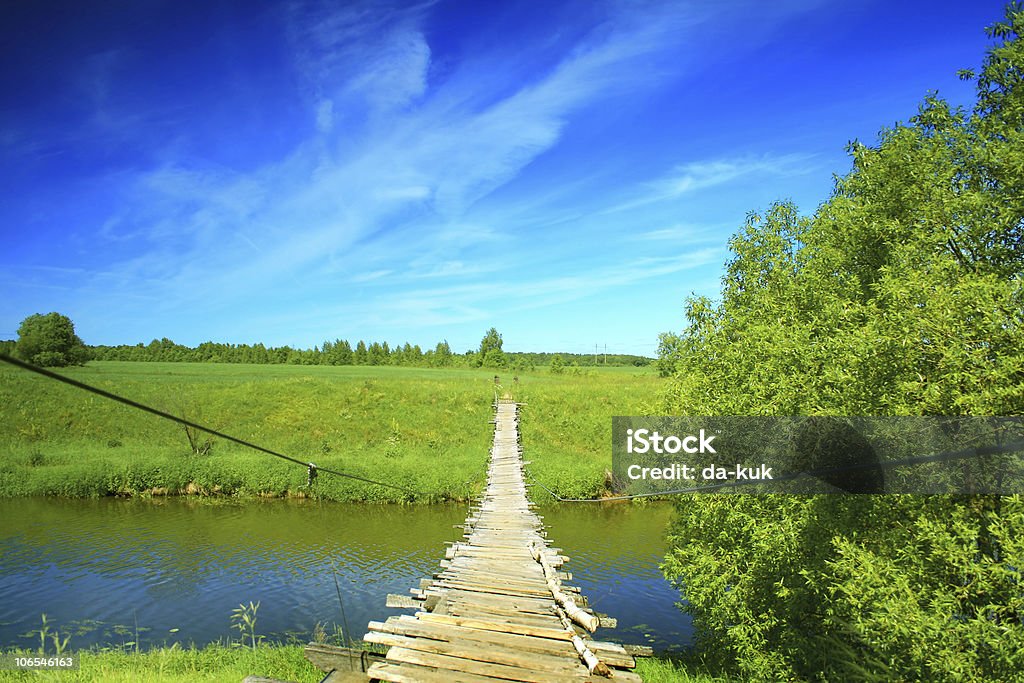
(341, 352)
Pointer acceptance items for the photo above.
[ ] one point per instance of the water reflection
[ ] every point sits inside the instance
(107, 565)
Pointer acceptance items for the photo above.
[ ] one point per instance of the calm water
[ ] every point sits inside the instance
(98, 568)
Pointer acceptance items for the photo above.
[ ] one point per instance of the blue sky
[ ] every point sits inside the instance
(298, 171)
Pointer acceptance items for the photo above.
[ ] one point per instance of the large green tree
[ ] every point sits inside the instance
(902, 295)
(50, 340)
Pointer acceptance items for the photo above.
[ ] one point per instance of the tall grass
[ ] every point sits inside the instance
(426, 430)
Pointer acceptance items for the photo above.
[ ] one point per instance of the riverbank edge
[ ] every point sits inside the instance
(91, 481)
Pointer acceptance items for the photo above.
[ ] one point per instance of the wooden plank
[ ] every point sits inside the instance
(456, 664)
(402, 602)
(496, 625)
(411, 673)
(493, 589)
(494, 654)
(610, 653)
(542, 605)
(331, 657)
(418, 629)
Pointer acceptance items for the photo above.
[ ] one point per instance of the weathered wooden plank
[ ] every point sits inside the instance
(402, 602)
(496, 625)
(457, 664)
(492, 613)
(610, 653)
(540, 604)
(492, 589)
(420, 629)
(334, 658)
(493, 654)
(406, 672)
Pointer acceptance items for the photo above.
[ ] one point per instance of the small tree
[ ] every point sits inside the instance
(495, 358)
(443, 354)
(50, 340)
(491, 342)
(557, 365)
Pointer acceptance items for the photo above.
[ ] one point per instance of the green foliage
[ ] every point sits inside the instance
(902, 295)
(495, 358)
(337, 352)
(490, 344)
(60, 644)
(243, 619)
(557, 366)
(50, 341)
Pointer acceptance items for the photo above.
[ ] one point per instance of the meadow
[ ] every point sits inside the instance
(426, 430)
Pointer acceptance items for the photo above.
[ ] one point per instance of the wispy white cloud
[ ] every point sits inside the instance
(371, 276)
(541, 292)
(692, 177)
(687, 233)
(700, 175)
(322, 202)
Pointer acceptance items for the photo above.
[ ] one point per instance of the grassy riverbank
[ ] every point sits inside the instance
(176, 664)
(426, 430)
(225, 663)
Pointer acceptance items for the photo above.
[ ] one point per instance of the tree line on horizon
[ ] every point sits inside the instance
(50, 340)
(341, 352)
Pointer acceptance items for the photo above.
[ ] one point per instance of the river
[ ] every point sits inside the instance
(115, 571)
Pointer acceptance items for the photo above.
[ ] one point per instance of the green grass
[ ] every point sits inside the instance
(424, 429)
(172, 664)
(220, 662)
(566, 424)
(657, 670)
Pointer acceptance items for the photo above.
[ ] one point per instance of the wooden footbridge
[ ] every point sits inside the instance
(498, 609)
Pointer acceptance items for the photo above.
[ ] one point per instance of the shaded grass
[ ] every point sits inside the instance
(425, 429)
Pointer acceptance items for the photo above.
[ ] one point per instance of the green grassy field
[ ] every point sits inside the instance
(424, 429)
